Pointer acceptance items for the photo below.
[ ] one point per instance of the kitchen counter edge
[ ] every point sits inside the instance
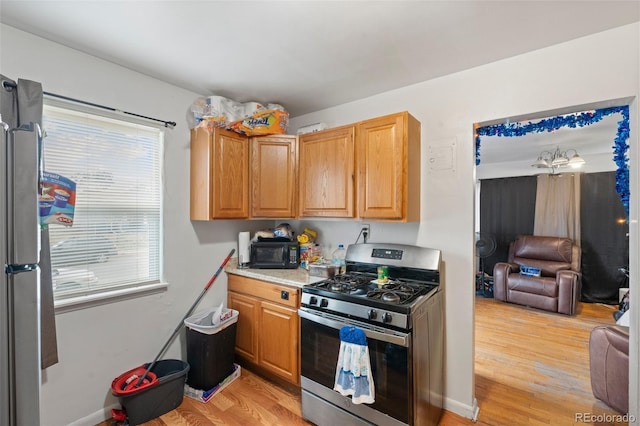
(292, 277)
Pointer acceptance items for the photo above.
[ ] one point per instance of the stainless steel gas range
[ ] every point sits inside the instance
(403, 322)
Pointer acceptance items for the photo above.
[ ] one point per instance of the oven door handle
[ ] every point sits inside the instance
(394, 337)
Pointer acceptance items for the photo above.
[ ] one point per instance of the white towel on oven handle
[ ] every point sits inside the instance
(353, 371)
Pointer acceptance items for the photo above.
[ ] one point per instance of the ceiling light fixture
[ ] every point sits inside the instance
(557, 159)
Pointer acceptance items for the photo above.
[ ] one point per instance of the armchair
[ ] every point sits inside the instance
(557, 289)
(609, 365)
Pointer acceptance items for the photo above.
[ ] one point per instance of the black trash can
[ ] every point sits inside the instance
(210, 349)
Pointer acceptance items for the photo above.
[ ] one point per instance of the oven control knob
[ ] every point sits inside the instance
(313, 300)
(372, 314)
(386, 317)
(324, 303)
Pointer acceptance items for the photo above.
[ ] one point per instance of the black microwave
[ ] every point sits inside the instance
(275, 255)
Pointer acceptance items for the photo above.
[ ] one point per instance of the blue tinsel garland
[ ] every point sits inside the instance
(582, 119)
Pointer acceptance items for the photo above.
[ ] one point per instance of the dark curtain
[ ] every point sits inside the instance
(605, 245)
(507, 207)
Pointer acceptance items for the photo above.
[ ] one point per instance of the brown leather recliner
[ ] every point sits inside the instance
(557, 289)
(609, 365)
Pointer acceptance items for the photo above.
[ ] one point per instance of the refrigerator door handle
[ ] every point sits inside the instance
(16, 269)
(41, 134)
(22, 192)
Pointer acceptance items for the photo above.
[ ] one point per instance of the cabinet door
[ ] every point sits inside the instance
(231, 175)
(219, 175)
(247, 327)
(273, 176)
(388, 152)
(278, 351)
(200, 191)
(326, 170)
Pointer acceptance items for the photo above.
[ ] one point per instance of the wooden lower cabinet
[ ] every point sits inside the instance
(246, 330)
(268, 328)
(278, 336)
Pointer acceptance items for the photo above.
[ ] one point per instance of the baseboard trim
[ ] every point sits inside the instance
(464, 410)
(96, 417)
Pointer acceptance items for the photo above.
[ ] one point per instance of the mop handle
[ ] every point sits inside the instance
(180, 325)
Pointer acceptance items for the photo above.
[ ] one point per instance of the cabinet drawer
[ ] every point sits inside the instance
(276, 293)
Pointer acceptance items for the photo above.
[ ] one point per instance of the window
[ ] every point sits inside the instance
(115, 240)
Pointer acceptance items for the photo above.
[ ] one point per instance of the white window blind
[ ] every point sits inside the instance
(115, 240)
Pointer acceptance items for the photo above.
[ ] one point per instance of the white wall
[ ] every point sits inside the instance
(99, 343)
(591, 69)
(334, 232)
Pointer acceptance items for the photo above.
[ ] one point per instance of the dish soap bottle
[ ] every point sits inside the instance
(338, 259)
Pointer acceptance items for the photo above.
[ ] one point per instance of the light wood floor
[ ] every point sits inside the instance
(532, 368)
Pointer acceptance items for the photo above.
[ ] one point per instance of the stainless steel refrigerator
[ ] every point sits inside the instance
(20, 252)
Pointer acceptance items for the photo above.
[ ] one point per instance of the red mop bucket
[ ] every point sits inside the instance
(153, 389)
(161, 392)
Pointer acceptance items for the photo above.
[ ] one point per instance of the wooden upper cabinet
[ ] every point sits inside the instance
(369, 170)
(326, 173)
(273, 176)
(388, 168)
(219, 175)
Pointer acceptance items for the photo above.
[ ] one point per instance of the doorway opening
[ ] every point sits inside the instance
(532, 371)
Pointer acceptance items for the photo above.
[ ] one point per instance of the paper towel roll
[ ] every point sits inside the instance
(243, 248)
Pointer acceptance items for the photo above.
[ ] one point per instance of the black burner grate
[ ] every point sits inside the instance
(364, 286)
(395, 292)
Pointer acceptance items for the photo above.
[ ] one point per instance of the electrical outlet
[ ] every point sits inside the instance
(366, 231)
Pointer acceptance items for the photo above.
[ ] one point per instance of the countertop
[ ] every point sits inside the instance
(292, 277)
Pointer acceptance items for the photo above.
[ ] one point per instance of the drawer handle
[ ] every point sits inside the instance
(284, 295)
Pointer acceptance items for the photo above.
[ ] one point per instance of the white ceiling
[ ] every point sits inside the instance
(513, 156)
(309, 55)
